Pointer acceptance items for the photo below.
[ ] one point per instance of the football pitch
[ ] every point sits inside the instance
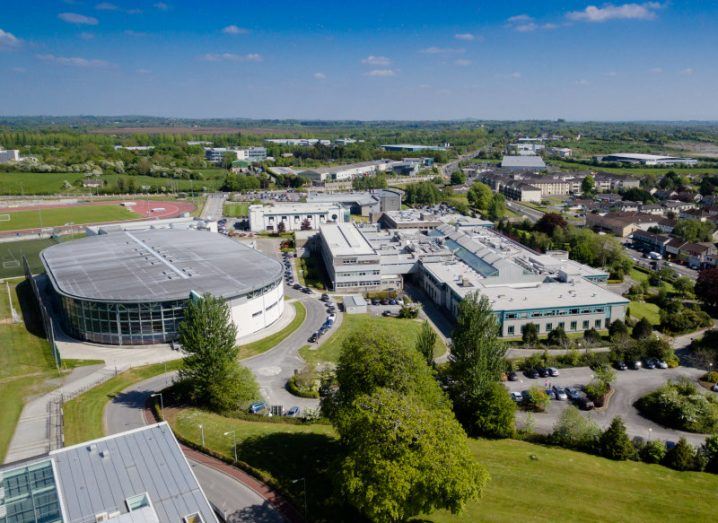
(11, 254)
(59, 216)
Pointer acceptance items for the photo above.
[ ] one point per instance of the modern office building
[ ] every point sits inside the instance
(644, 159)
(361, 203)
(131, 288)
(295, 216)
(139, 476)
(410, 219)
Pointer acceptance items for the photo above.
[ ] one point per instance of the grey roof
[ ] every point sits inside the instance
(358, 198)
(157, 265)
(100, 475)
(528, 162)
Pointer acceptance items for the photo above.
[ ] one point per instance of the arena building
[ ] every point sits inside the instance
(131, 287)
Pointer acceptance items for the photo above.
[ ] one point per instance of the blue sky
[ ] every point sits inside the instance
(361, 60)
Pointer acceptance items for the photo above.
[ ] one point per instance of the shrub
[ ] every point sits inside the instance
(591, 336)
(681, 457)
(711, 377)
(653, 451)
(709, 453)
(643, 329)
(597, 390)
(614, 442)
(558, 337)
(574, 431)
(617, 330)
(679, 405)
(305, 383)
(537, 399)
(529, 334)
(495, 413)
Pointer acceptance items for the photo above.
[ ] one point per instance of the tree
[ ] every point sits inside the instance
(426, 341)
(638, 195)
(693, 230)
(643, 329)
(495, 413)
(281, 227)
(549, 222)
(213, 376)
(306, 225)
(617, 330)
(537, 399)
(557, 337)
(709, 452)
(653, 451)
(458, 177)
(614, 442)
(591, 336)
(403, 459)
(529, 334)
(497, 207)
(479, 196)
(574, 431)
(588, 185)
(477, 355)
(684, 286)
(707, 287)
(422, 193)
(681, 457)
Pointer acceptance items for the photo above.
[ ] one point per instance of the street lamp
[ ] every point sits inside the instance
(649, 433)
(304, 486)
(201, 430)
(162, 403)
(234, 442)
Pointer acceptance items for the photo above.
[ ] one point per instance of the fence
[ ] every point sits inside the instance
(46, 318)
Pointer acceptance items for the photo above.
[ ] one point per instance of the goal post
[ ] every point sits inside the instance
(4, 217)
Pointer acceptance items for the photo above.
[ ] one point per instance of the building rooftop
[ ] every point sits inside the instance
(297, 208)
(528, 162)
(360, 198)
(156, 265)
(344, 239)
(643, 157)
(411, 216)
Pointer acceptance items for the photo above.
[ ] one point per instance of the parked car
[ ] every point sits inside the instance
(384, 302)
(306, 290)
(313, 338)
(386, 314)
(332, 318)
(544, 372)
(257, 407)
(512, 376)
(325, 297)
(525, 395)
(293, 411)
(649, 363)
(551, 394)
(573, 393)
(585, 404)
(553, 372)
(375, 301)
(714, 388)
(532, 373)
(636, 365)
(661, 364)
(392, 302)
(296, 286)
(621, 365)
(517, 397)
(560, 393)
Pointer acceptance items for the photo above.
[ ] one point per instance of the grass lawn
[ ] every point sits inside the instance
(640, 309)
(11, 254)
(26, 362)
(260, 346)
(236, 209)
(557, 485)
(406, 331)
(54, 217)
(83, 415)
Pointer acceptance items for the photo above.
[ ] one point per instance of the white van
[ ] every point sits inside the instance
(655, 256)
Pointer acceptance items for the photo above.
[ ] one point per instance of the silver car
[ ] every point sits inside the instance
(560, 393)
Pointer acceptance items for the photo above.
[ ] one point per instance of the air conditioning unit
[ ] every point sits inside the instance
(102, 516)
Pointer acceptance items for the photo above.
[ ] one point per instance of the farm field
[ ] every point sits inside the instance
(57, 216)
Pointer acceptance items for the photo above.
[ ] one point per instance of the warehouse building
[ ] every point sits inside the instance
(132, 287)
(295, 216)
(523, 163)
(139, 476)
(644, 159)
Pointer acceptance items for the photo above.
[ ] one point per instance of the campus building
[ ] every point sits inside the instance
(139, 476)
(523, 163)
(295, 216)
(216, 155)
(409, 147)
(338, 173)
(363, 203)
(132, 287)
(644, 159)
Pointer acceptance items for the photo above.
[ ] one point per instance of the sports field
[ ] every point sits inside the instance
(11, 254)
(58, 216)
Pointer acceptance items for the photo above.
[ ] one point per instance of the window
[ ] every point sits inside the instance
(562, 325)
(573, 325)
(510, 330)
(608, 322)
(597, 324)
(585, 325)
(137, 502)
(549, 327)
(256, 314)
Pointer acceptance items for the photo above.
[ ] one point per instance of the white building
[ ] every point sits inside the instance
(301, 142)
(294, 216)
(338, 173)
(561, 152)
(9, 155)
(645, 159)
(251, 154)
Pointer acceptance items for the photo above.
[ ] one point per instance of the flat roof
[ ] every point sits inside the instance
(156, 265)
(297, 208)
(522, 161)
(642, 156)
(344, 239)
(360, 198)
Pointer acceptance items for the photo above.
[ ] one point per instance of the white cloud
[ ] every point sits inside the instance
(515, 75)
(549, 26)
(320, 76)
(376, 60)
(19, 70)
(519, 19)
(688, 71)
(443, 50)
(381, 73)
(75, 18)
(583, 81)
(644, 11)
(527, 24)
(231, 57)
(75, 61)
(8, 39)
(161, 6)
(468, 37)
(462, 62)
(86, 35)
(234, 30)
(656, 70)
(106, 6)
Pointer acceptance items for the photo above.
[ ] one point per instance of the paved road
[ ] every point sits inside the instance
(532, 214)
(637, 257)
(231, 497)
(213, 207)
(450, 167)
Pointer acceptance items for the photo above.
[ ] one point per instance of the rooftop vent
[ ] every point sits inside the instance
(104, 454)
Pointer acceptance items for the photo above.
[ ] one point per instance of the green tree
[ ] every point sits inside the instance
(681, 457)
(706, 288)
(614, 442)
(497, 207)
(574, 431)
(642, 330)
(693, 230)
(403, 459)
(684, 286)
(709, 451)
(479, 196)
(426, 341)
(617, 330)
(458, 177)
(529, 334)
(537, 399)
(495, 413)
(213, 376)
(557, 337)
(653, 451)
(588, 186)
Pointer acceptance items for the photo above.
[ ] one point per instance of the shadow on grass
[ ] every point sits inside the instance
(30, 309)
(296, 460)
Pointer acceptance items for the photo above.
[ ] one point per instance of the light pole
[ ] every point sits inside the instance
(304, 486)
(649, 433)
(201, 430)
(234, 442)
(162, 403)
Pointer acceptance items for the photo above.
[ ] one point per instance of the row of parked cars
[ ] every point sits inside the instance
(540, 372)
(329, 322)
(559, 393)
(648, 363)
(260, 407)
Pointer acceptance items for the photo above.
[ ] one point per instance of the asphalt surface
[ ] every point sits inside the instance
(637, 257)
(214, 206)
(237, 501)
(532, 214)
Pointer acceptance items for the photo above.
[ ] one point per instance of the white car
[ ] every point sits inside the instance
(661, 364)
(331, 317)
(714, 388)
(517, 397)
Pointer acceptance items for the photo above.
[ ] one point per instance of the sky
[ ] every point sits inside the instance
(366, 60)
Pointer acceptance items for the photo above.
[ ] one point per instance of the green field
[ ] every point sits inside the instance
(83, 415)
(528, 482)
(263, 345)
(236, 209)
(641, 309)
(25, 359)
(405, 330)
(58, 216)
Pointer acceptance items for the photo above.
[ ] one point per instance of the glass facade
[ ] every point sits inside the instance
(30, 495)
(121, 323)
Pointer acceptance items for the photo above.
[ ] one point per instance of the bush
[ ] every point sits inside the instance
(495, 413)
(537, 399)
(591, 336)
(681, 457)
(653, 451)
(711, 377)
(558, 338)
(643, 329)
(709, 454)
(305, 383)
(679, 405)
(614, 442)
(617, 330)
(597, 391)
(574, 431)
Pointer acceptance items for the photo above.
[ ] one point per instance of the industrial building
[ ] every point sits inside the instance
(644, 159)
(132, 287)
(410, 219)
(523, 163)
(295, 216)
(139, 476)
